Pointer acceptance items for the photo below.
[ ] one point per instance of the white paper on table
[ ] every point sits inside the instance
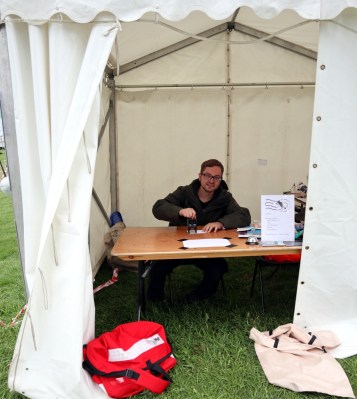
(277, 217)
(206, 242)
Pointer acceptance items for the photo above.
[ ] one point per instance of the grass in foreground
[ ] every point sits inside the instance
(216, 358)
(12, 294)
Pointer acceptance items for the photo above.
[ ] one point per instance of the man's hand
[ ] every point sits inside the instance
(215, 226)
(188, 213)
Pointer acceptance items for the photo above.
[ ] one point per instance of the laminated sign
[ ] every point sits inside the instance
(298, 360)
(133, 357)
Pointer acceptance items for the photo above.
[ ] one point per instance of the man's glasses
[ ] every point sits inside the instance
(207, 176)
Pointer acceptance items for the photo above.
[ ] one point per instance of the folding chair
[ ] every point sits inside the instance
(275, 262)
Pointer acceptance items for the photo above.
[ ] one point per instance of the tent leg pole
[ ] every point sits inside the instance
(100, 206)
(7, 111)
(113, 153)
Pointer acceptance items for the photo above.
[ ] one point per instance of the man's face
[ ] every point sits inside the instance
(210, 178)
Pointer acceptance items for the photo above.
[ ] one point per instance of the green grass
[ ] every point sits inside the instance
(216, 358)
(12, 295)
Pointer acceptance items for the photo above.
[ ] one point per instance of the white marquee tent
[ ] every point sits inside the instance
(253, 83)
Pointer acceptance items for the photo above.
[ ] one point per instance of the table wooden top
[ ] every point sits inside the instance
(152, 243)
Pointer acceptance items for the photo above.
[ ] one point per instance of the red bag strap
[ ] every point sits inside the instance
(141, 377)
(151, 382)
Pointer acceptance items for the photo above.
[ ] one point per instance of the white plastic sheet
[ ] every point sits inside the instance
(57, 109)
(326, 296)
(130, 10)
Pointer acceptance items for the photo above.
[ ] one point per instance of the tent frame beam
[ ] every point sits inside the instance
(265, 85)
(113, 162)
(8, 118)
(171, 49)
(287, 45)
(296, 48)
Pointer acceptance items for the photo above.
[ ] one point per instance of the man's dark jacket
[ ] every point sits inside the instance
(222, 208)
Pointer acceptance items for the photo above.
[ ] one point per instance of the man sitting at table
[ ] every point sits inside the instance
(207, 201)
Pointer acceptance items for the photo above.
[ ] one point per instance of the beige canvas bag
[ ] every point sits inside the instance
(298, 360)
(110, 239)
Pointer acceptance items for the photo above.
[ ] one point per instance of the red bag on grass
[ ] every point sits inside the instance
(283, 258)
(133, 357)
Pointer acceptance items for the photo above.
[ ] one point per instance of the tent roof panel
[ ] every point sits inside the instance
(140, 38)
(173, 10)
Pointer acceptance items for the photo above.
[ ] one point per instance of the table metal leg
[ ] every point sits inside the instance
(261, 288)
(141, 288)
(144, 268)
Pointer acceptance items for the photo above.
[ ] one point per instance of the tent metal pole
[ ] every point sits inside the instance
(232, 25)
(277, 41)
(7, 111)
(113, 153)
(229, 124)
(3, 169)
(94, 193)
(264, 85)
(171, 49)
(102, 129)
(100, 206)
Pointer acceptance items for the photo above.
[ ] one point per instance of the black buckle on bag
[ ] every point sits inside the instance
(131, 374)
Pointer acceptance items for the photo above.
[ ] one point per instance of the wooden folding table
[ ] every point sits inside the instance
(144, 244)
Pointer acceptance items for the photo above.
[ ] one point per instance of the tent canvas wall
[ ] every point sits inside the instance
(55, 148)
(248, 103)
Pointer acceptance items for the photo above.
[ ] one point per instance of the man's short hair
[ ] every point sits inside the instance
(211, 162)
